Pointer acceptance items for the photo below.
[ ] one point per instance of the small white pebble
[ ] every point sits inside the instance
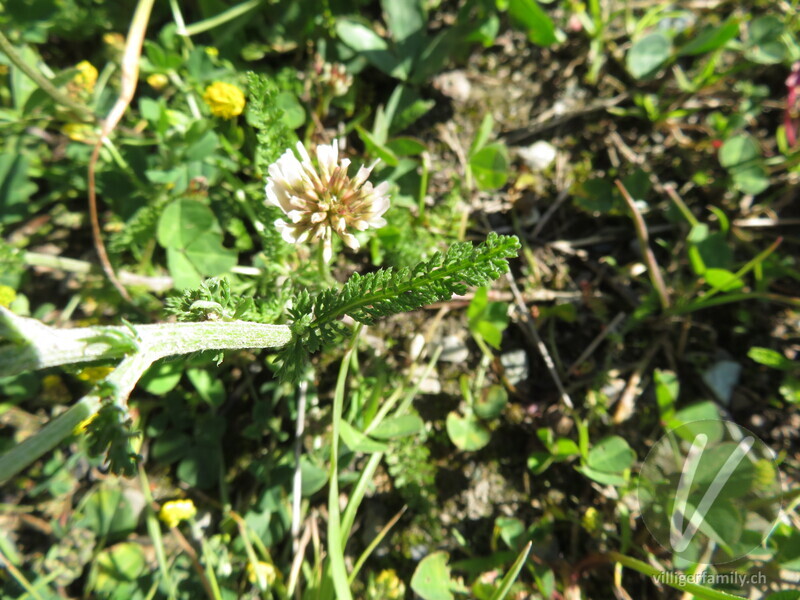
(539, 155)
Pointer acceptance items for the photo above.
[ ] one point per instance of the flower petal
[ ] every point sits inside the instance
(287, 232)
(327, 156)
(350, 240)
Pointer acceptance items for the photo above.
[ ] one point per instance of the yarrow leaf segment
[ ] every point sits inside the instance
(386, 292)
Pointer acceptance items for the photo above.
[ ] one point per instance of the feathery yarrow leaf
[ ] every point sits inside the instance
(367, 298)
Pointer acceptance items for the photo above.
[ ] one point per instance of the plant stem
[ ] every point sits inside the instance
(82, 267)
(687, 214)
(649, 258)
(45, 84)
(222, 18)
(323, 266)
(129, 77)
(336, 540)
(703, 300)
(34, 345)
(423, 187)
(43, 346)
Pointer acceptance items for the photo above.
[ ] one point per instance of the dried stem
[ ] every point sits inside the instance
(649, 258)
(130, 75)
(531, 328)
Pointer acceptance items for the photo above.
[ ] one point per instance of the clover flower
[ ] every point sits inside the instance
(333, 76)
(225, 100)
(321, 202)
(175, 511)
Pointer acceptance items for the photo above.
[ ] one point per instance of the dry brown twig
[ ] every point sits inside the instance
(626, 402)
(649, 258)
(531, 329)
(130, 75)
(611, 327)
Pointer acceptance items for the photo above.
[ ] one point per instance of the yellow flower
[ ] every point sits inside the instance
(94, 374)
(263, 574)
(175, 511)
(212, 51)
(79, 132)
(86, 76)
(225, 100)
(591, 520)
(7, 295)
(387, 586)
(157, 81)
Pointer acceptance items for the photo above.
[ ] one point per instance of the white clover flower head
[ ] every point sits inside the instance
(320, 202)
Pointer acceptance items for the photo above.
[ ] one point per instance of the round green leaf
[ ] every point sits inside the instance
(602, 477)
(564, 448)
(467, 433)
(492, 402)
(611, 455)
(294, 115)
(108, 512)
(119, 564)
(431, 579)
(723, 279)
(490, 166)
(182, 221)
(738, 150)
(314, 476)
(752, 179)
(648, 54)
(764, 37)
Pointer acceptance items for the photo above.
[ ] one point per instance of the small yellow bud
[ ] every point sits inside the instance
(7, 295)
(94, 374)
(591, 519)
(116, 41)
(86, 76)
(157, 81)
(79, 132)
(212, 51)
(175, 511)
(263, 574)
(225, 100)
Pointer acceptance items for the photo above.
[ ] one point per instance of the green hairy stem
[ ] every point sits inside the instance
(31, 345)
